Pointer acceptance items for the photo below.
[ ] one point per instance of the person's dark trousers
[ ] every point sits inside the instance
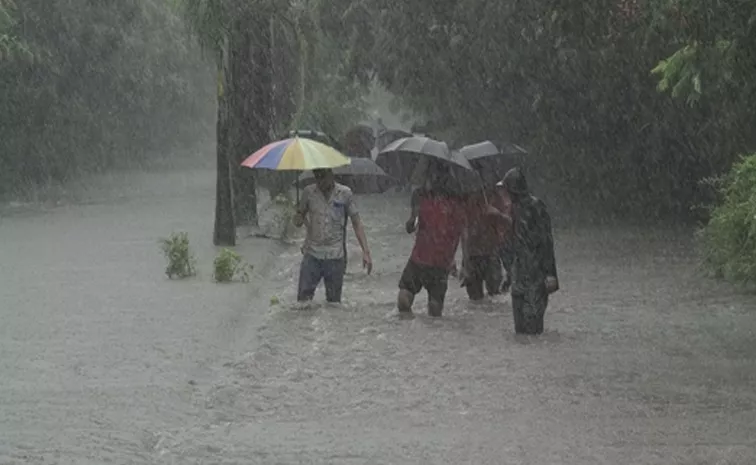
(483, 270)
(312, 270)
(529, 308)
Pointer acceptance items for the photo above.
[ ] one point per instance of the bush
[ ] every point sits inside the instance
(229, 265)
(176, 249)
(729, 239)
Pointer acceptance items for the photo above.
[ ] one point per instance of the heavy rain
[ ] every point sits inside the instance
(176, 176)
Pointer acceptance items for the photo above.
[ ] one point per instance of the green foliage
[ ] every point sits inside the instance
(181, 261)
(229, 265)
(570, 82)
(323, 94)
(335, 101)
(681, 73)
(92, 86)
(729, 239)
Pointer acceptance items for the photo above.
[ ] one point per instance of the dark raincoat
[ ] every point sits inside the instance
(534, 258)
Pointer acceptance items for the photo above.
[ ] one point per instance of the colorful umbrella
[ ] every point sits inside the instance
(317, 136)
(298, 154)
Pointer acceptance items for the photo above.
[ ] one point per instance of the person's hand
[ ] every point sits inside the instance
(367, 262)
(410, 225)
(491, 210)
(552, 285)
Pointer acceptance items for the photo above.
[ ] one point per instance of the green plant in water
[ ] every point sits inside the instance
(229, 265)
(729, 239)
(181, 262)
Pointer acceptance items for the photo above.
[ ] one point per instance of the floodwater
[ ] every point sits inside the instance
(104, 360)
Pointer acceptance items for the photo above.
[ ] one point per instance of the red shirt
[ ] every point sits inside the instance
(441, 221)
(482, 230)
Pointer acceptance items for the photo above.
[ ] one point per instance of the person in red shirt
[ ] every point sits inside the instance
(438, 217)
(486, 228)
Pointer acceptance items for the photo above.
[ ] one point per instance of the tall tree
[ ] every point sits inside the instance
(238, 34)
(261, 96)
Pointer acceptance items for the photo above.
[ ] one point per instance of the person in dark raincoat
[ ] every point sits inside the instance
(534, 274)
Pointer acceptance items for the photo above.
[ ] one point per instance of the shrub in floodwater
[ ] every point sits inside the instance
(728, 241)
(229, 265)
(181, 262)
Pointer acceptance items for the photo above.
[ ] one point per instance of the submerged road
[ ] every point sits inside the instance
(104, 360)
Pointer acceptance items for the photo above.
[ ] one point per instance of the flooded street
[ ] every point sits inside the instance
(104, 360)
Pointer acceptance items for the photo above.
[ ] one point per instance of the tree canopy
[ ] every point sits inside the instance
(572, 82)
(91, 85)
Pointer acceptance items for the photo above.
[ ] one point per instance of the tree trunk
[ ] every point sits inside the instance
(224, 233)
(252, 106)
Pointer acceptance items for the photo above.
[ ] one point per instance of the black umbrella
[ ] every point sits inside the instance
(493, 162)
(363, 176)
(407, 158)
(318, 136)
(390, 135)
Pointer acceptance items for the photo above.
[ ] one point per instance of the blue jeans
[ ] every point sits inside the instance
(312, 270)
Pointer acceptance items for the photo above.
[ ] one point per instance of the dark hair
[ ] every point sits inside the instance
(320, 172)
(515, 183)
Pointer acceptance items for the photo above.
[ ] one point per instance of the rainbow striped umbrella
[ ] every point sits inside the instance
(296, 154)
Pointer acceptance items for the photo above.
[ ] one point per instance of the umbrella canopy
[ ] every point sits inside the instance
(363, 176)
(318, 136)
(390, 135)
(408, 158)
(299, 154)
(480, 150)
(492, 162)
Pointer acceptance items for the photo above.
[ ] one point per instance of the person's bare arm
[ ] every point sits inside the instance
(414, 211)
(359, 231)
(493, 211)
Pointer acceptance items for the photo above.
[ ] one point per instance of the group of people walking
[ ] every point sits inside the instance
(504, 233)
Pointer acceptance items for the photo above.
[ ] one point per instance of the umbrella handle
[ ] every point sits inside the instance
(485, 195)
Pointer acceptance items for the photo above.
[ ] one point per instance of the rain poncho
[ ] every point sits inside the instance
(534, 259)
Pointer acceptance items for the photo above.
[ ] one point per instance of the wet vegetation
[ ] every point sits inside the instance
(181, 260)
(89, 86)
(229, 265)
(729, 239)
(624, 105)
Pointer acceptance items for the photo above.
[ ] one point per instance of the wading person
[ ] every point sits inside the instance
(438, 218)
(534, 274)
(325, 207)
(481, 241)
